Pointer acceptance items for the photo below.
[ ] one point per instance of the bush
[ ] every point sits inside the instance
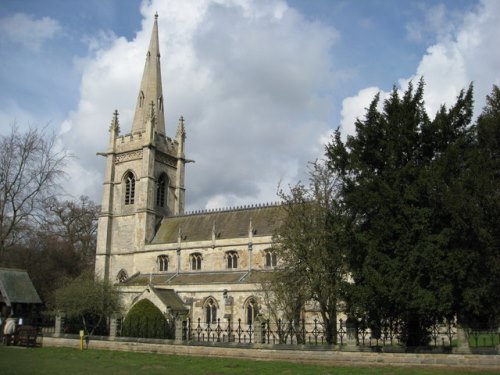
(147, 321)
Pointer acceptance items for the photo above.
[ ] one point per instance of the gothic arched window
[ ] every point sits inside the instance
(161, 190)
(162, 263)
(210, 311)
(129, 188)
(271, 259)
(196, 261)
(232, 259)
(250, 310)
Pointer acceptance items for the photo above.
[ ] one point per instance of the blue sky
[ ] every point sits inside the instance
(261, 83)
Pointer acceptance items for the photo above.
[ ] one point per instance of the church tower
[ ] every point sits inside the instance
(144, 177)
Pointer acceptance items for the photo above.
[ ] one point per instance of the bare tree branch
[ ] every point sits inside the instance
(30, 170)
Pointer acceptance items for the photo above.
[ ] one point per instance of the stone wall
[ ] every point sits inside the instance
(266, 352)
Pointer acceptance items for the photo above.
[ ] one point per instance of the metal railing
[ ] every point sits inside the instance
(218, 332)
(309, 333)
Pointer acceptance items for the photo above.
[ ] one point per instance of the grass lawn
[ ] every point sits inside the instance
(66, 361)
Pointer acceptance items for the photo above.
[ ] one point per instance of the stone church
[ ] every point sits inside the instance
(206, 265)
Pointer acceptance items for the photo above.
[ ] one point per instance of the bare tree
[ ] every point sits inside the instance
(309, 244)
(30, 168)
(74, 223)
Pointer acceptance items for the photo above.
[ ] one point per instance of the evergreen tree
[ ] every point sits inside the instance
(478, 223)
(404, 184)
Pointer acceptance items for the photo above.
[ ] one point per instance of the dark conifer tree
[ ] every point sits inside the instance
(416, 212)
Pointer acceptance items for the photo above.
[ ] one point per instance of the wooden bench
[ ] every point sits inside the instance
(27, 336)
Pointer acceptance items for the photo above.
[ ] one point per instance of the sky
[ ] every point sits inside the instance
(261, 84)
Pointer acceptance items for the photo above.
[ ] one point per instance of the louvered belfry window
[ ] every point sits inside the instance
(129, 188)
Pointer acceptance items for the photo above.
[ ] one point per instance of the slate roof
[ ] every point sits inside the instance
(16, 287)
(197, 278)
(233, 223)
(170, 299)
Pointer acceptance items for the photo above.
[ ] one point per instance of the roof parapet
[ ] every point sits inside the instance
(229, 209)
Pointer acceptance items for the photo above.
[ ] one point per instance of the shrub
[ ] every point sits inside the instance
(145, 320)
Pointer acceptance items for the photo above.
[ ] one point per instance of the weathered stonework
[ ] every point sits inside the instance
(146, 242)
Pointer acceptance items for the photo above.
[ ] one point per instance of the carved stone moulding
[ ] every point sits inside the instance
(127, 156)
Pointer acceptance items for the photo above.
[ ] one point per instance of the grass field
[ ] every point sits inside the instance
(65, 361)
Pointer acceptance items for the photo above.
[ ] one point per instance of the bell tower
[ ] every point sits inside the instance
(144, 177)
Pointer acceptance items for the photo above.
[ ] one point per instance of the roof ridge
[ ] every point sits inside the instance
(230, 209)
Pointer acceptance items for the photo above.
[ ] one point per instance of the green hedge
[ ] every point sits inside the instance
(145, 320)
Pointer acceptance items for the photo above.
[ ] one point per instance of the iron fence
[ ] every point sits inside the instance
(218, 332)
(282, 332)
(309, 333)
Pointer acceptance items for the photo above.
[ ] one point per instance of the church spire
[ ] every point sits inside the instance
(151, 90)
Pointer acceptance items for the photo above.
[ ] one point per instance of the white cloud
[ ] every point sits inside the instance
(467, 55)
(12, 115)
(437, 23)
(28, 31)
(249, 77)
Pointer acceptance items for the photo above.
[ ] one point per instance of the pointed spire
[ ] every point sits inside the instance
(181, 130)
(115, 125)
(181, 139)
(250, 230)
(214, 232)
(151, 89)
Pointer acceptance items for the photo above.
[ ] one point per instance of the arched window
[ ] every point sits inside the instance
(232, 259)
(162, 261)
(196, 261)
(271, 260)
(122, 276)
(160, 190)
(210, 311)
(129, 188)
(250, 310)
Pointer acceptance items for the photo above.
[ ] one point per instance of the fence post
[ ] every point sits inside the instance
(59, 325)
(463, 340)
(258, 328)
(113, 325)
(351, 334)
(179, 328)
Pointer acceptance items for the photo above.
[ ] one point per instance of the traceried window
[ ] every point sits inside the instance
(122, 276)
(162, 263)
(250, 310)
(129, 188)
(232, 259)
(271, 259)
(160, 190)
(210, 311)
(196, 259)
